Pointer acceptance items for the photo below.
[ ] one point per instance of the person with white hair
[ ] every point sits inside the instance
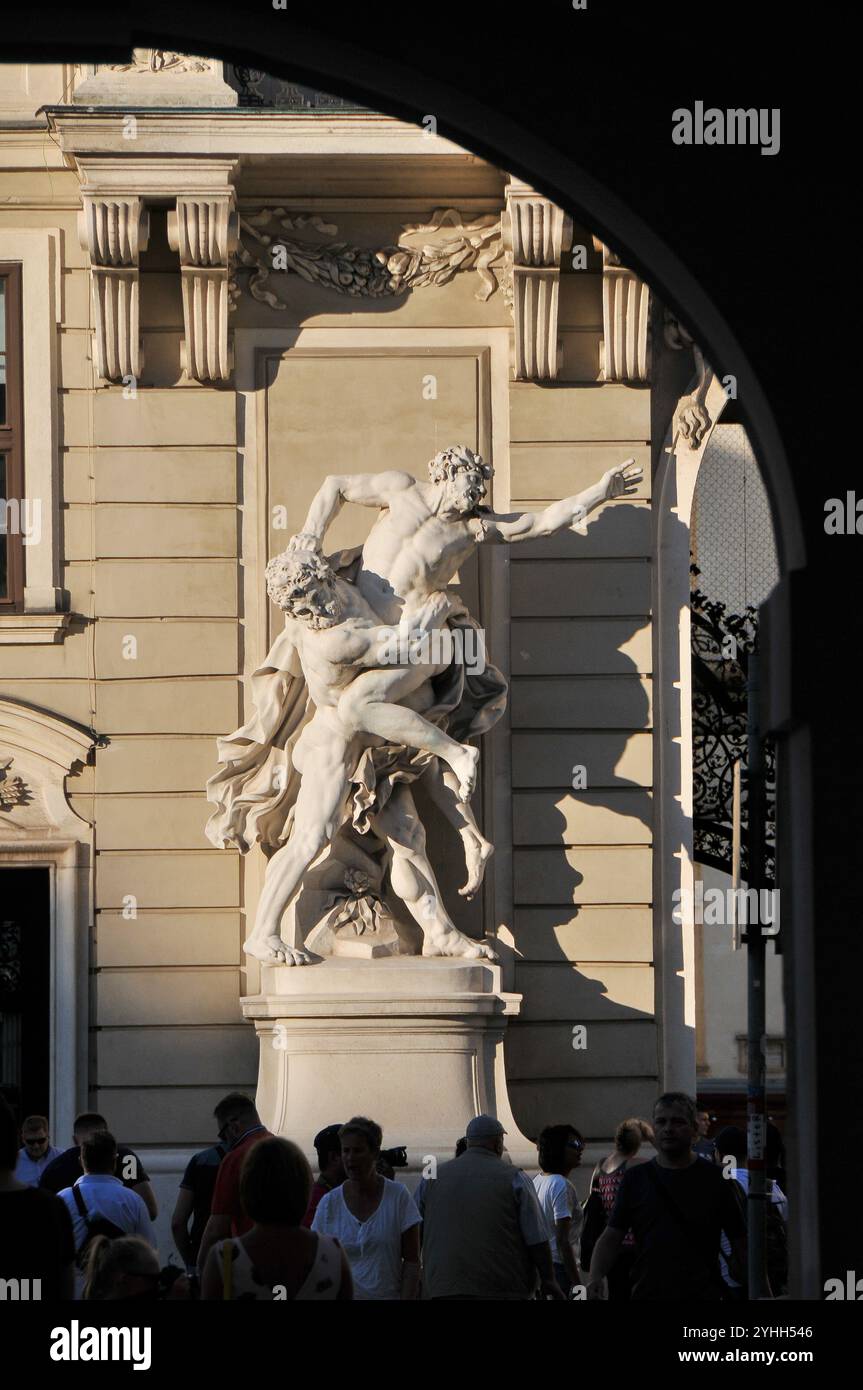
(484, 1234)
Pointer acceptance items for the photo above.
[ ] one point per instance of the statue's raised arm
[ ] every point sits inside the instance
(620, 481)
(366, 489)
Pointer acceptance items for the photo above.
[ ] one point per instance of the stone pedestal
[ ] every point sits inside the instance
(416, 1044)
(155, 77)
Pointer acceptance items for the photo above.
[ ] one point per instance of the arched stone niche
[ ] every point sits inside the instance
(39, 829)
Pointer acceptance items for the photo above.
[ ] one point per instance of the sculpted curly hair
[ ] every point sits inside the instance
(291, 574)
(457, 459)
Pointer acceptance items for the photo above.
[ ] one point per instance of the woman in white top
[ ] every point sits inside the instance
(374, 1219)
(278, 1258)
(560, 1149)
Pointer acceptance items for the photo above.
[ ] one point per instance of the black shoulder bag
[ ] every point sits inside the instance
(96, 1226)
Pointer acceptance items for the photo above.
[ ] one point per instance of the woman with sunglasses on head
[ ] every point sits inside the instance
(560, 1149)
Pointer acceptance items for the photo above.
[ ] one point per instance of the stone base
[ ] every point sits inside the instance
(416, 1044)
(178, 84)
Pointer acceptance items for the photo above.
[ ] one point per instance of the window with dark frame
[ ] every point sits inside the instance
(11, 441)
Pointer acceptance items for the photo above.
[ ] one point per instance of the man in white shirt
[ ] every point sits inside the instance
(104, 1196)
(37, 1151)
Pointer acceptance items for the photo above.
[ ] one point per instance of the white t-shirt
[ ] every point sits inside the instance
(558, 1199)
(373, 1247)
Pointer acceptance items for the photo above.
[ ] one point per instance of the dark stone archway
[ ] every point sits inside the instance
(580, 104)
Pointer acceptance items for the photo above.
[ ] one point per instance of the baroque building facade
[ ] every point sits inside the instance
(218, 289)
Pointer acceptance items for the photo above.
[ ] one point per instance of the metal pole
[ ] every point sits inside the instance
(756, 1108)
(735, 854)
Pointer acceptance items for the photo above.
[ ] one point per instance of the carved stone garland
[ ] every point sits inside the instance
(361, 271)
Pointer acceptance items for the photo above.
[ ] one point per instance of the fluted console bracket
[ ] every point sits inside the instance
(536, 234)
(204, 231)
(203, 227)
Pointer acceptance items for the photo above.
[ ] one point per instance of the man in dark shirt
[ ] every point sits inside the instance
(677, 1206)
(704, 1145)
(194, 1200)
(331, 1170)
(66, 1170)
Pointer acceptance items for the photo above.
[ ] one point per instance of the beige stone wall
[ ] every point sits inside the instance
(581, 695)
(153, 489)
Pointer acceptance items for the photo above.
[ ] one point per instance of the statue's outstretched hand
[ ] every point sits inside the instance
(623, 479)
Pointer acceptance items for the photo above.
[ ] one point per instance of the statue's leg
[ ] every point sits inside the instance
(443, 788)
(413, 880)
(318, 814)
(369, 705)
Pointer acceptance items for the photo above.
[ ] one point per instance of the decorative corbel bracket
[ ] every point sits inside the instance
(204, 230)
(114, 230)
(536, 234)
(625, 350)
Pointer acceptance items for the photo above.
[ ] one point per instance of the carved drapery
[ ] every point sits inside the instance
(625, 350)
(114, 230)
(204, 232)
(536, 233)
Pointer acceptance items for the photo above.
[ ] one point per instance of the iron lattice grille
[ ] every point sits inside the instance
(721, 644)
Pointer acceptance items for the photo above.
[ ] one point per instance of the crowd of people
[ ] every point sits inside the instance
(665, 1217)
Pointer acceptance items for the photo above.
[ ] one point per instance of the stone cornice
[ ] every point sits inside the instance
(231, 132)
(158, 176)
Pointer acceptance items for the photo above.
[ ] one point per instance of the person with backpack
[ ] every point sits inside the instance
(731, 1142)
(99, 1203)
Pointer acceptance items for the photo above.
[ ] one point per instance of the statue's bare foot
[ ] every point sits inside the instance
(294, 956)
(273, 951)
(477, 852)
(447, 941)
(465, 765)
